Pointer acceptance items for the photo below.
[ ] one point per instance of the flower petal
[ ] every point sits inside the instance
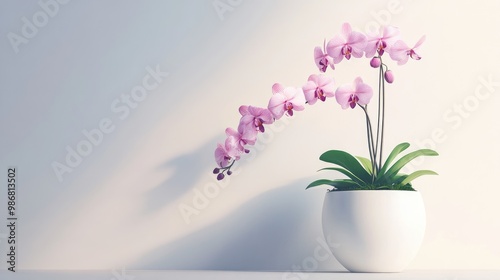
(363, 91)
(357, 41)
(233, 147)
(221, 157)
(297, 98)
(277, 87)
(249, 135)
(419, 42)
(309, 92)
(276, 105)
(342, 95)
(318, 57)
(231, 132)
(267, 117)
(398, 51)
(255, 111)
(346, 29)
(371, 47)
(243, 110)
(246, 120)
(334, 48)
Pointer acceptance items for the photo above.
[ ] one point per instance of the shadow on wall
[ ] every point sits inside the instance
(188, 168)
(277, 230)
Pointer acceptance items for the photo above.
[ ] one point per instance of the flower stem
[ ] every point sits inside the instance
(382, 94)
(378, 112)
(371, 147)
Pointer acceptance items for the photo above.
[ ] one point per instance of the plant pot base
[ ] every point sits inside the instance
(374, 231)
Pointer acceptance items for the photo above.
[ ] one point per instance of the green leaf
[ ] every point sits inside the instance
(367, 164)
(417, 174)
(395, 152)
(406, 159)
(347, 173)
(319, 183)
(348, 162)
(340, 184)
(345, 185)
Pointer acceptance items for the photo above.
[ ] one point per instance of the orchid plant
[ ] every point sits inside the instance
(362, 173)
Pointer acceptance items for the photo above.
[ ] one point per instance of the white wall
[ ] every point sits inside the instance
(120, 205)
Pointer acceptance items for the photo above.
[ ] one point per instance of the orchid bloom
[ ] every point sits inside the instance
(286, 100)
(383, 42)
(322, 59)
(227, 152)
(357, 93)
(350, 43)
(255, 117)
(400, 51)
(242, 137)
(318, 87)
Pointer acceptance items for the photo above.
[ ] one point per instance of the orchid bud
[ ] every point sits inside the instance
(375, 62)
(389, 77)
(229, 172)
(220, 176)
(216, 170)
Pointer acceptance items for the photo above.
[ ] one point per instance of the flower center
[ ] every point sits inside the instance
(353, 100)
(320, 94)
(414, 55)
(323, 63)
(289, 108)
(381, 45)
(257, 122)
(346, 51)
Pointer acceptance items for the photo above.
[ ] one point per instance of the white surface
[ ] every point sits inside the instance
(246, 275)
(371, 231)
(122, 204)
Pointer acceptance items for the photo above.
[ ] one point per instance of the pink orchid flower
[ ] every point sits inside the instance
(357, 93)
(255, 117)
(227, 152)
(286, 100)
(242, 137)
(379, 44)
(318, 87)
(350, 43)
(322, 59)
(400, 51)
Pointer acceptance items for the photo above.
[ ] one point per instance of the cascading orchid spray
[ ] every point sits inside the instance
(363, 173)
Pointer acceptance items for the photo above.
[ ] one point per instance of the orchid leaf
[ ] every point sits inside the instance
(347, 173)
(394, 153)
(319, 183)
(405, 160)
(367, 164)
(340, 184)
(417, 174)
(348, 162)
(345, 185)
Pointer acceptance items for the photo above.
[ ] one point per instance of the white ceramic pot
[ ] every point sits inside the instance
(374, 231)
